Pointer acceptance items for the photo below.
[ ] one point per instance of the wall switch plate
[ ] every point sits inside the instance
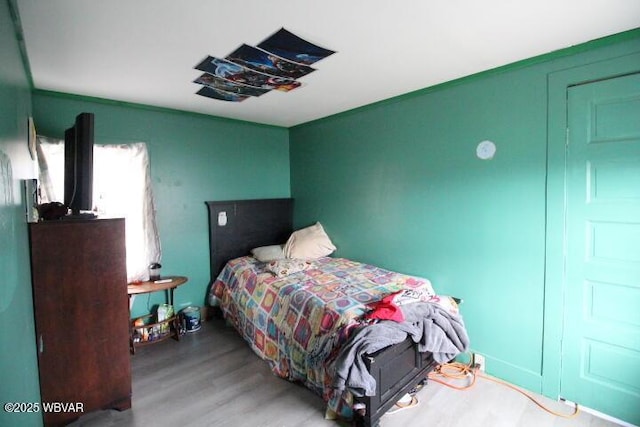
(222, 218)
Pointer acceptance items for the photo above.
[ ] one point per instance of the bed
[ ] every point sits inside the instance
(302, 316)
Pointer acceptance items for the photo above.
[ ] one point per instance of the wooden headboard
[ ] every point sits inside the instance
(249, 224)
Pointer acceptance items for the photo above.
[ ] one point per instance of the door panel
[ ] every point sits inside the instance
(601, 335)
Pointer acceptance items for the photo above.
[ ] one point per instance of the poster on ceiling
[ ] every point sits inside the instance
(210, 92)
(237, 73)
(268, 63)
(287, 45)
(214, 82)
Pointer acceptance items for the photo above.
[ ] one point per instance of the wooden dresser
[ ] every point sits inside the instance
(79, 279)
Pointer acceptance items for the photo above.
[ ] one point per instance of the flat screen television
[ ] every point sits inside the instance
(78, 166)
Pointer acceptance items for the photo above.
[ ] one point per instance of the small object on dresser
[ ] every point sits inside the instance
(52, 211)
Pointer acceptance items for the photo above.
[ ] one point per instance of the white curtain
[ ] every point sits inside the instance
(121, 188)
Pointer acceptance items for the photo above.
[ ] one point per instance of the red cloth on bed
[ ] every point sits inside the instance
(386, 309)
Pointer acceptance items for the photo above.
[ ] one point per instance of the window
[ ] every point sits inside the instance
(121, 188)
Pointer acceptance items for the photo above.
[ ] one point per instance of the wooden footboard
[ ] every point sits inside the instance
(396, 369)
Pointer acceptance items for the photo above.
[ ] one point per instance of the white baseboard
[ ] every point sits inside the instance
(597, 413)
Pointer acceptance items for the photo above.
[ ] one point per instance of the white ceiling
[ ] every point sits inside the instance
(144, 51)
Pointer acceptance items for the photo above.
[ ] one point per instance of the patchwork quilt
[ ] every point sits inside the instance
(298, 321)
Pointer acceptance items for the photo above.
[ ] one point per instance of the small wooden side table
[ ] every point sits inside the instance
(167, 284)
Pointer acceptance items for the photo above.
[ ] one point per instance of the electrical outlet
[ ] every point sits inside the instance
(479, 362)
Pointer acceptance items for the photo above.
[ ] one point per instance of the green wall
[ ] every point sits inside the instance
(18, 360)
(398, 184)
(193, 158)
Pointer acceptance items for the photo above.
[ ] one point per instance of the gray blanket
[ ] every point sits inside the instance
(434, 330)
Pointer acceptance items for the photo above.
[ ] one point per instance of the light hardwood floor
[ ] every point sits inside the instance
(212, 378)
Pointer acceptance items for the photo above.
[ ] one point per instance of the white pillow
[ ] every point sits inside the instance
(309, 243)
(268, 253)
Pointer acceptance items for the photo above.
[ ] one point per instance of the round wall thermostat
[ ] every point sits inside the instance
(486, 150)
